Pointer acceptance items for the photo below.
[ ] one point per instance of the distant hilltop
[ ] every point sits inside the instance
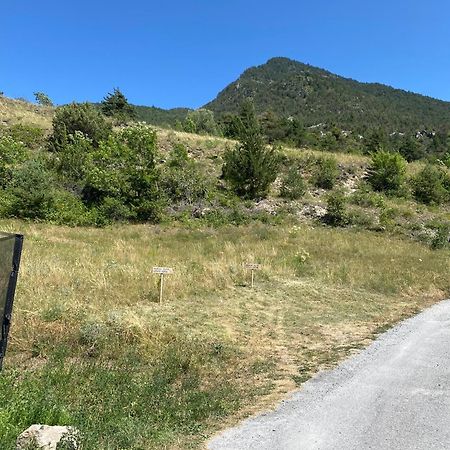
(292, 89)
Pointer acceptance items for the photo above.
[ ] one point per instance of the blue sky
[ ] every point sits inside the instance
(181, 53)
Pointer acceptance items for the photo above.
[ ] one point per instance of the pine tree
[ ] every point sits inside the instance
(251, 166)
(116, 105)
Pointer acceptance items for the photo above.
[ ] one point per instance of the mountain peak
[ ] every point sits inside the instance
(291, 88)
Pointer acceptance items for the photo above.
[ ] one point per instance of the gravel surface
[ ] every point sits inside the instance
(393, 395)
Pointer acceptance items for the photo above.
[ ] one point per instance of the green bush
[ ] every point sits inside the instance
(72, 159)
(201, 121)
(81, 117)
(32, 187)
(186, 184)
(114, 210)
(123, 168)
(441, 238)
(446, 159)
(68, 209)
(336, 214)
(387, 172)
(360, 218)
(251, 167)
(293, 185)
(12, 155)
(178, 155)
(411, 149)
(29, 135)
(326, 172)
(365, 197)
(430, 185)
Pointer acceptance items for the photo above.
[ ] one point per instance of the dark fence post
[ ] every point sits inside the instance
(11, 289)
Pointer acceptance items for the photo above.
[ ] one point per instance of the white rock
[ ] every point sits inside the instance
(44, 437)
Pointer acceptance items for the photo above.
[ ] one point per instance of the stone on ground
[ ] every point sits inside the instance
(44, 437)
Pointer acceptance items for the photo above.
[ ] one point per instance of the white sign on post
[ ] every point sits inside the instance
(162, 271)
(252, 267)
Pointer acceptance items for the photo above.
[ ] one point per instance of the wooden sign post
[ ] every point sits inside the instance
(252, 267)
(162, 271)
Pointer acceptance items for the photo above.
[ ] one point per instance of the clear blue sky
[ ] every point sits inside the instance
(181, 53)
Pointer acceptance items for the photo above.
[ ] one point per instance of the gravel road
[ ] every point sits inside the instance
(393, 395)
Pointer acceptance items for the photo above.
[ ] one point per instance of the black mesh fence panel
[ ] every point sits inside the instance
(10, 251)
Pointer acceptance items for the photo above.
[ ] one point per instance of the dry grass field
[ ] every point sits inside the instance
(92, 346)
(13, 112)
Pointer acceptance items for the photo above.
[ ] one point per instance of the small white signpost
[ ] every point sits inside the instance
(252, 267)
(162, 271)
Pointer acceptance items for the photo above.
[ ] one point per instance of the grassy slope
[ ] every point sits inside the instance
(91, 346)
(14, 112)
(94, 348)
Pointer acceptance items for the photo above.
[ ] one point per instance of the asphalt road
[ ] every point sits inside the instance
(393, 395)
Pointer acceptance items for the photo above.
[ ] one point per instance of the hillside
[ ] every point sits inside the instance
(161, 117)
(94, 346)
(290, 88)
(13, 112)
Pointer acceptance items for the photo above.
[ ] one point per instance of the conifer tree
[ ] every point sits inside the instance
(116, 105)
(251, 166)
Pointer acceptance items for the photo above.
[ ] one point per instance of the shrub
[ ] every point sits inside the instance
(32, 187)
(28, 135)
(293, 185)
(178, 156)
(185, 183)
(360, 218)
(365, 197)
(326, 172)
(114, 210)
(251, 167)
(12, 154)
(387, 171)
(387, 217)
(336, 214)
(68, 209)
(123, 168)
(201, 121)
(72, 159)
(81, 117)
(441, 237)
(446, 159)
(430, 185)
(300, 261)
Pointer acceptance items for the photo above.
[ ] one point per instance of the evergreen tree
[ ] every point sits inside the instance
(116, 105)
(250, 167)
(42, 99)
(411, 149)
(376, 141)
